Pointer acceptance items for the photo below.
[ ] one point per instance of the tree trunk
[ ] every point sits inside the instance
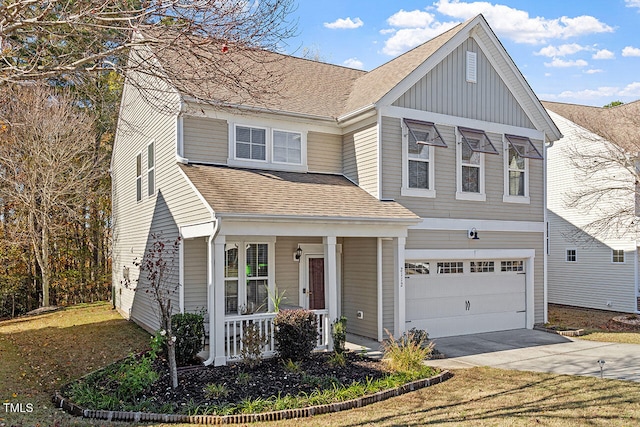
(173, 367)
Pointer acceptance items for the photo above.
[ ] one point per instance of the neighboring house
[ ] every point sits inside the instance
(593, 246)
(408, 196)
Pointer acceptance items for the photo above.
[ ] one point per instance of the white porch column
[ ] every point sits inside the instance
(399, 294)
(217, 328)
(331, 279)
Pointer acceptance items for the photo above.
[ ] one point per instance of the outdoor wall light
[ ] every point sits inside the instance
(473, 234)
(298, 253)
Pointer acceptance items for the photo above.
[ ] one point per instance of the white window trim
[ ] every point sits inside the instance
(138, 177)
(624, 257)
(506, 197)
(415, 192)
(150, 169)
(565, 255)
(268, 163)
(463, 195)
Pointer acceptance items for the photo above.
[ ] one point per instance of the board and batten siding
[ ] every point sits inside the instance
(205, 140)
(445, 90)
(359, 286)
(445, 204)
(388, 285)
(457, 239)
(324, 152)
(593, 281)
(360, 158)
(195, 275)
(173, 203)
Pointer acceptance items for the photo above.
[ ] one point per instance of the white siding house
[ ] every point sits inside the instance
(593, 246)
(408, 196)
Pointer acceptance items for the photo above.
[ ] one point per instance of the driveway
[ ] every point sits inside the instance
(532, 350)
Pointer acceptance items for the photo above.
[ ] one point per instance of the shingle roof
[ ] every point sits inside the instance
(620, 125)
(255, 192)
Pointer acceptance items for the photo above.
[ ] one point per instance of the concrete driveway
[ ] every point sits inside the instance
(532, 350)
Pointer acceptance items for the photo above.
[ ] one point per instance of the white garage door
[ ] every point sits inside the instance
(458, 297)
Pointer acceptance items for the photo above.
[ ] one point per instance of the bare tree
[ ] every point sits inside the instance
(214, 41)
(47, 165)
(158, 279)
(605, 153)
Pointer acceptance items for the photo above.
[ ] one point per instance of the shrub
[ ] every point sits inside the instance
(296, 333)
(189, 330)
(407, 353)
(339, 334)
(252, 343)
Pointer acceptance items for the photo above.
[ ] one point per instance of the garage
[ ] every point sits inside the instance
(458, 297)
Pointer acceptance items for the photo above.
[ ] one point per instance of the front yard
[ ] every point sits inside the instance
(40, 354)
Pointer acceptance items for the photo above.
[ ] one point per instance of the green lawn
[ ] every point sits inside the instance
(39, 354)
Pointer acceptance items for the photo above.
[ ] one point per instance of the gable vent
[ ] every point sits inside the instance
(472, 67)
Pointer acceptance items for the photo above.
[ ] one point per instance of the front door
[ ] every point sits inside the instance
(316, 283)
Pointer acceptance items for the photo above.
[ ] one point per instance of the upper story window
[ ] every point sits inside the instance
(252, 145)
(151, 169)
(139, 177)
(571, 255)
(519, 150)
(418, 141)
(473, 144)
(617, 256)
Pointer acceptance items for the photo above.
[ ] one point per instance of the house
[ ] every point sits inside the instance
(593, 246)
(408, 196)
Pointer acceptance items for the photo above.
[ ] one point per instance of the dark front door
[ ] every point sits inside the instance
(316, 283)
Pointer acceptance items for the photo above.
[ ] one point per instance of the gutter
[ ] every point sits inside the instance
(210, 285)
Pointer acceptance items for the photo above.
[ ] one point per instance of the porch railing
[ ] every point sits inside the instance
(234, 327)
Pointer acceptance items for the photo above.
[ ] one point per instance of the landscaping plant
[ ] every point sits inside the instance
(407, 353)
(252, 343)
(296, 333)
(339, 334)
(189, 331)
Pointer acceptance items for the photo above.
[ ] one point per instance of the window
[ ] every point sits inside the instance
(416, 267)
(287, 147)
(472, 146)
(472, 67)
(571, 255)
(251, 143)
(269, 147)
(482, 266)
(151, 169)
(617, 256)
(453, 267)
(517, 171)
(252, 297)
(517, 266)
(139, 177)
(419, 138)
(519, 150)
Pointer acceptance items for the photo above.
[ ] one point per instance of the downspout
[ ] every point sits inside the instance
(546, 236)
(210, 285)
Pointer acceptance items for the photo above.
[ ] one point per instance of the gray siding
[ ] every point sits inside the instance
(445, 90)
(173, 204)
(388, 287)
(324, 152)
(288, 270)
(445, 205)
(360, 158)
(359, 288)
(206, 140)
(427, 239)
(195, 275)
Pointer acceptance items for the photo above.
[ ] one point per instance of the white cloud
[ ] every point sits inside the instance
(562, 50)
(631, 51)
(354, 63)
(344, 24)
(600, 92)
(561, 63)
(386, 31)
(593, 71)
(408, 38)
(603, 54)
(518, 26)
(632, 3)
(632, 89)
(413, 19)
(547, 74)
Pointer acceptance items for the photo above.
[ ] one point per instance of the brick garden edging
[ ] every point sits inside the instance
(564, 333)
(76, 410)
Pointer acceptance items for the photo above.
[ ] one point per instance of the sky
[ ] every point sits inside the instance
(574, 51)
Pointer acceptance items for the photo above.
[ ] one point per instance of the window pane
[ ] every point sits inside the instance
(256, 296)
(250, 143)
(515, 161)
(151, 159)
(231, 261)
(139, 165)
(470, 179)
(512, 266)
(139, 188)
(231, 297)
(418, 174)
(257, 259)
(151, 181)
(258, 136)
(418, 151)
(287, 146)
(516, 183)
(618, 255)
(482, 266)
(470, 156)
(243, 134)
(258, 152)
(450, 267)
(243, 151)
(416, 267)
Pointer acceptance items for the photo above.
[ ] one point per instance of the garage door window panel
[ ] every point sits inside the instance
(454, 267)
(416, 267)
(482, 266)
(517, 266)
